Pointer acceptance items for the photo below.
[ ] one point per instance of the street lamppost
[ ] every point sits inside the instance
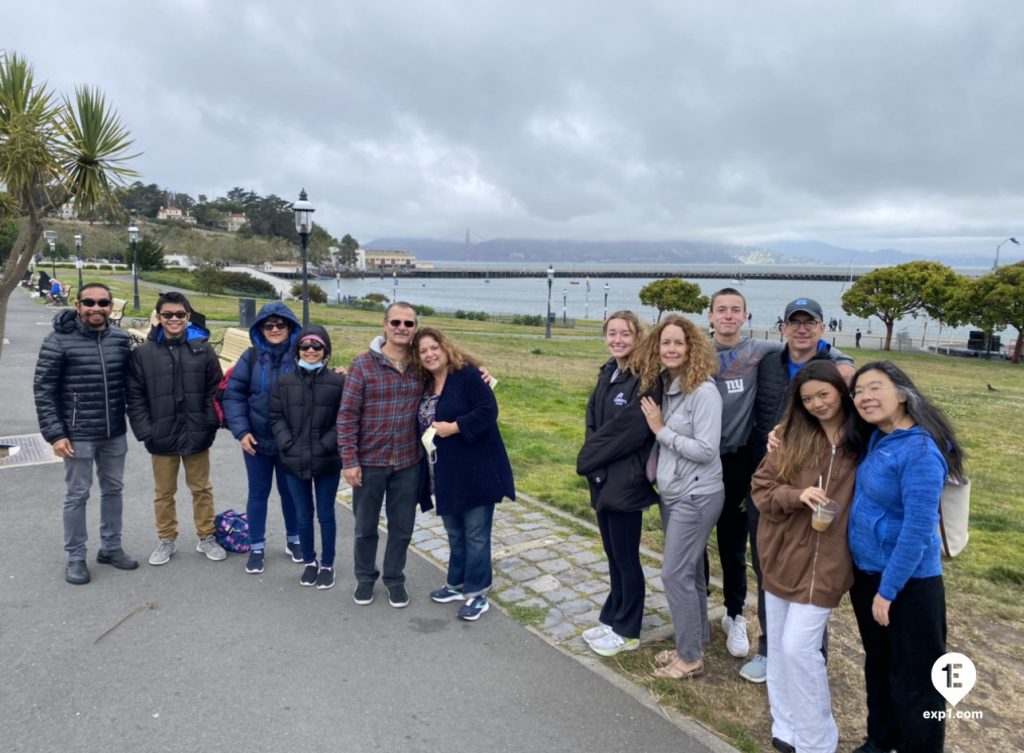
(586, 300)
(304, 226)
(51, 239)
(133, 238)
(1008, 240)
(394, 282)
(547, 319)
(606, 301)
(78, 258)
(565, 296)
(337, 280)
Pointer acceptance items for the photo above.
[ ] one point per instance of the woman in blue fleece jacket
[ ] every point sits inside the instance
(897, 594)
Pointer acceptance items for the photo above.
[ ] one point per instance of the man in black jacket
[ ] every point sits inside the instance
(173, 378)
(79, 388)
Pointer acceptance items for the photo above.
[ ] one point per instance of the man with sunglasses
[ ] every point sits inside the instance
(79, 388)
(173, 378)
(803, 326)
(380, 452)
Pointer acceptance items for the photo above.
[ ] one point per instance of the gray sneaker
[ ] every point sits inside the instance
(162, 554)
(211, 549)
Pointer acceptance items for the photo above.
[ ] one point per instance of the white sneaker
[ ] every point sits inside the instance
(755, 670)
(211, 549)
(595, 633)
(162, 554)
(737, 643)
(726, 624)
(614, 643)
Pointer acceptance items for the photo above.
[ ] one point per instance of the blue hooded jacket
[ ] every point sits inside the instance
(248, 392)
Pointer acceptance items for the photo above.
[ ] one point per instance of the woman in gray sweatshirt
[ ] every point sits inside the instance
(687, 426)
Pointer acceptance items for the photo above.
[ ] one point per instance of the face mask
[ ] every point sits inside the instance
(310, 366)
(428, 443)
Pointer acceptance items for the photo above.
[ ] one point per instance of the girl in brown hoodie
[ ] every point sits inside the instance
(806, 571)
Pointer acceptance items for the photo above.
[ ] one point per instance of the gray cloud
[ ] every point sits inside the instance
(860, 123)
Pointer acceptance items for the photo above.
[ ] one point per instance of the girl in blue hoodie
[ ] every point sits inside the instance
(898, 595)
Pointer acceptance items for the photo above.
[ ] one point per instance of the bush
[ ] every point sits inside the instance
(528, 320)
(365, 304)
(424, 310)
(376, 297)
(479, 316)
(240, 283)
(316, 293)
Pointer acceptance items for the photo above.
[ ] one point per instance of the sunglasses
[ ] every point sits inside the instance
(92, 302)
(409, 324)
(311, 346)
(271, 326)
(173, 315)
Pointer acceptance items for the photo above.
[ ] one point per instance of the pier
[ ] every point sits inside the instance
(562, 274)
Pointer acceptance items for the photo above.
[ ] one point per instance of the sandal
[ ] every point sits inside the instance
(677, 670)
(665, 657)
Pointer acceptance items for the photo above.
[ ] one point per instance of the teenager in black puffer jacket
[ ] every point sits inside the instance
(303, 414)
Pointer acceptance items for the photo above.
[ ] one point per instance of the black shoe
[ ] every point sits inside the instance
(309, 573)
(870, 746)
(294, 550)
(117, 558)
(255, 562)
(782, 747)
(363, 594)
(398, 597)
(76, 572)
(325, 578)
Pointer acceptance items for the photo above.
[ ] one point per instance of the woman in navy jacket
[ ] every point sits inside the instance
(613, 458)
(247, 413)
(469, 467)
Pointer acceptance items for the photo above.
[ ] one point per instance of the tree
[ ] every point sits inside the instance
(349, 246)
(995, 301)
(673, 295)
(891, 293)
(316, 293)
(53, 150)
(150, 254)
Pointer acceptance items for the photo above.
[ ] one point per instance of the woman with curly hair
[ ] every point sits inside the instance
(688, 427)
(469, 468)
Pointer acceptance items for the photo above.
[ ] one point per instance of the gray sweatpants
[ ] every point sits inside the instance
(687, 523)
(109, 456)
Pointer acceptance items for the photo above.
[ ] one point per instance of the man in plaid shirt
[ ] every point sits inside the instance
(380, 450)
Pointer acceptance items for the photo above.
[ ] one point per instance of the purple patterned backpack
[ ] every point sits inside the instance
(232, 530)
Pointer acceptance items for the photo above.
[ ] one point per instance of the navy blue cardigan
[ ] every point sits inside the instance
(472, 467)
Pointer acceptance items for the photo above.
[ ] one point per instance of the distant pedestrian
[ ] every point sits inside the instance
(468, 469)
(750, 321)
(79, 387)
(617, 445)
(856, 338)
(688, 427)
(173, 378)
(304, 414)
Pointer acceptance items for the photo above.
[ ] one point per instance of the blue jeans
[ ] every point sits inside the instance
(469, 540)
(326, 489)
(401, 488)
(108, 456)
(261, 469)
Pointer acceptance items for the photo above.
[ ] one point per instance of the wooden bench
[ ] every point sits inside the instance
(139, 329)
(117, 310)
(235, 343)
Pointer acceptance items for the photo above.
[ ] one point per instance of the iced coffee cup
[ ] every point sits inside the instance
(823, 515)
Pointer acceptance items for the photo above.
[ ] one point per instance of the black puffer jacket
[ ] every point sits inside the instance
(80, 381)
(171, 386)
(304, 414)
(618, 443)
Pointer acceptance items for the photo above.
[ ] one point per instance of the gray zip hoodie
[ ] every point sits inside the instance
(688, 459)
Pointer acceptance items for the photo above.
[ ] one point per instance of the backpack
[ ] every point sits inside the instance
(222, 386)
(231, 529)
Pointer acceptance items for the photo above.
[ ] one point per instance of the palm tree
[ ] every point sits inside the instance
(52, 150)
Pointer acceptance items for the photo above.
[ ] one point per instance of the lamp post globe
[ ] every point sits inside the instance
(547, 319)
(133, 238)
(303, 210)
(78, 258)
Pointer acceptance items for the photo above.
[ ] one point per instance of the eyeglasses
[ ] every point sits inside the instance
(396, 323)
(798, 324)
(270, 326)
(173, 315)
(93, 303)
(317, 347)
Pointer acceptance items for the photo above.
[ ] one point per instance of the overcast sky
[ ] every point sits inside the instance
(864, 124)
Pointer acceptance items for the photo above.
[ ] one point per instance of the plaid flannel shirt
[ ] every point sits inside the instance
(377, 416)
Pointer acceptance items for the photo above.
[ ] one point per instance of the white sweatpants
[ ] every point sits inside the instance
(798, 692)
